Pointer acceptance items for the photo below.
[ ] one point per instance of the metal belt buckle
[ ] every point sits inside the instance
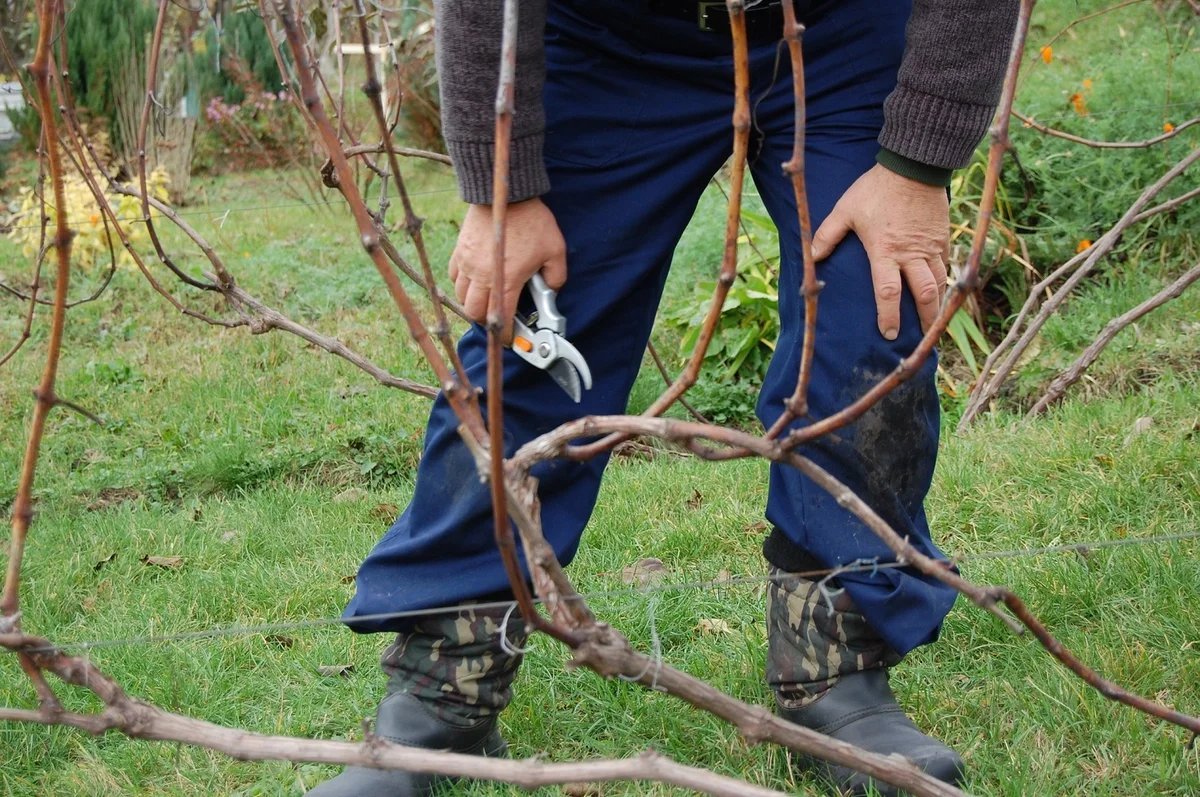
(702, 8)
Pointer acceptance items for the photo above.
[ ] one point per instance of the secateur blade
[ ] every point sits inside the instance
(539, 340)
(570, 369)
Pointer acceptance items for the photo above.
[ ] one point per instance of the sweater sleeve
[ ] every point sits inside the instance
(468, 60)
(954, 58)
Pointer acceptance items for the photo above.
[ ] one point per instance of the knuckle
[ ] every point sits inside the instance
(888, 291)
(927, 293)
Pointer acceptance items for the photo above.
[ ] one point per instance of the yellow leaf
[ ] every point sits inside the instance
(714, 626)
(1047, 54)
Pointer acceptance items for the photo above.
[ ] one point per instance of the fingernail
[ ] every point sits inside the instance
(891, 334)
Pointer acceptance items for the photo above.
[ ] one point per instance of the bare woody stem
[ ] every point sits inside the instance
(1004, 358)
(412, 222)
(140, 720)
(505, 98)
(728, 270)
(143, 129)
(1029, 121)
(467, 412)
(1072, 373)
(22, 512)
(970, 275)
(988, 598)
(797, 405)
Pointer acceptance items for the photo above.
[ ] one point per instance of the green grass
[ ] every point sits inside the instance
(270, 469)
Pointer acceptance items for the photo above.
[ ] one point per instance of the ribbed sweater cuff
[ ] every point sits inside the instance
(473, 164)
(914, 170)
(932, 130)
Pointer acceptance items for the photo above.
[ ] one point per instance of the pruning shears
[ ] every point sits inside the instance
(539, 340)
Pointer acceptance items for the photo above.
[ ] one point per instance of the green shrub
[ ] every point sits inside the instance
(103, 38)
(28, 125)
(234, 59)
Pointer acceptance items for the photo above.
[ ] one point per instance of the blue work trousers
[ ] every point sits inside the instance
(638, 113)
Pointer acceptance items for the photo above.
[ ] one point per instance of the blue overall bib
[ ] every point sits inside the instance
(638, 111)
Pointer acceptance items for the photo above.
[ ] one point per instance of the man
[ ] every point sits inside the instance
(622, 117)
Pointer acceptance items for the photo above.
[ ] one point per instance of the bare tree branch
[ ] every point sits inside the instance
(1072, 373)
(1029, 121)
(997, 370)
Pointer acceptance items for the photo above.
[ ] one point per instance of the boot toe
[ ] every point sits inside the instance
(403, 719)
(861, 710)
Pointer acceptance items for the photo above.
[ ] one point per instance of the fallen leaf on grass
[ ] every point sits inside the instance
(350, 495)
(100, 564)
(697, 499)
(335, 670)
(644, 571)
(166, 562)
(112, 496)
(714, 626)
(388, 512)
(279, 640)
(582, 790)
(756, 528)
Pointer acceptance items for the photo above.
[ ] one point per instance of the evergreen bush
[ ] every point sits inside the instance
(103, 36)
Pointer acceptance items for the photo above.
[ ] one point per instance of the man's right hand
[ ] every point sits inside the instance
(533, 243)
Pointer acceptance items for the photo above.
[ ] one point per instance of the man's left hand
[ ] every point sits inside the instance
(905, 227)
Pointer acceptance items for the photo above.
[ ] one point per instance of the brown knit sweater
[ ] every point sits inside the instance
(949, 83)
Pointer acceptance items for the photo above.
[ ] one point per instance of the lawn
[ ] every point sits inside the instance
(199, 545)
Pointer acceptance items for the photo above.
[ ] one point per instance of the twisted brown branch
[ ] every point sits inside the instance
(733, 214)
(990, 598)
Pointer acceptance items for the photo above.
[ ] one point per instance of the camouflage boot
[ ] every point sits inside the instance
(448, 680)
(828, 669)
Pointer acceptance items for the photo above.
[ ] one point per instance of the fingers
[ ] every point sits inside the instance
(554, 270)
(926, 289)
(941, 273)
(885, 276)
(926, 282)
(830, 233)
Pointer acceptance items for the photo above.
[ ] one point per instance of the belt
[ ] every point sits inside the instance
(764, 20)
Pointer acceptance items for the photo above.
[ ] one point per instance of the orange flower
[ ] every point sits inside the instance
(1168, 127)
(1087, 84)
(1082, 245)
(1047, 54)
(1078, 103)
